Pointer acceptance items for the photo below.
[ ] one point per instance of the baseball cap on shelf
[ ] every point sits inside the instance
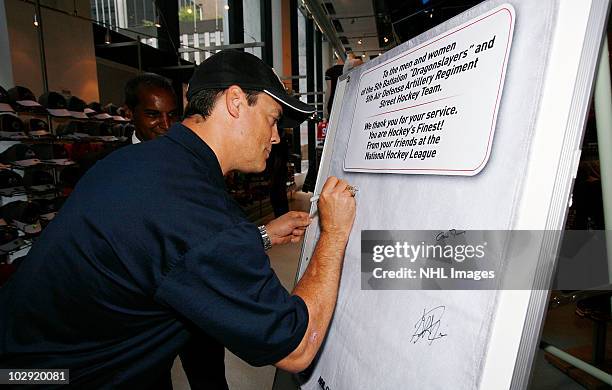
(76, 108)
(19, 154)
(49, 208)
(98, 129)
(70, 129)
(38, 128)
(54, 103)
(11, 127)
(9, 239)
(113, 111)
(11, 183)
(38, 180)
(94, 109)
(24, 100)
(22, 215)
(232, 67)
(5, 101)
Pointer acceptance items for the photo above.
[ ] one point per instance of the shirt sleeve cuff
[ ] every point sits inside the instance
(285, 350)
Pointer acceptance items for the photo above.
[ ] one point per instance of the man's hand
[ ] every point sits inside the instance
(289, 227)
(336, 207)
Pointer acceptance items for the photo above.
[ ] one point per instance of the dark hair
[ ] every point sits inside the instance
(203, 102)
(144, 80)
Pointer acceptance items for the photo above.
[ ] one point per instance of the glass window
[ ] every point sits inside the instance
(252, 25)
(202, 24)
(130, 17)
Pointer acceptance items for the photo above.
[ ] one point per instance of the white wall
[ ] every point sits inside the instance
(69, 50)
(6, 68)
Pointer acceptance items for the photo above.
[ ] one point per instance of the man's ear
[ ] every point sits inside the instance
(233, 100)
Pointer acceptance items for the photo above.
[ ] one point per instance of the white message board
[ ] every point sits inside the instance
(433, 109)
(375, 340)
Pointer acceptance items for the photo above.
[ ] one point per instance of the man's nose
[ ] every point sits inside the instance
(275, 136)
(165, 122)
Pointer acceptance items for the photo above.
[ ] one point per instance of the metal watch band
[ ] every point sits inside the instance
(264, 237)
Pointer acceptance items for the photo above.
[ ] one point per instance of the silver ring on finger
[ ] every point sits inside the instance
(352, 190)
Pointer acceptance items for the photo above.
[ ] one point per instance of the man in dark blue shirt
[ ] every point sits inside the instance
(150, 249)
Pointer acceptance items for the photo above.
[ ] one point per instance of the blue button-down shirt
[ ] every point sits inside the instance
(147, 246)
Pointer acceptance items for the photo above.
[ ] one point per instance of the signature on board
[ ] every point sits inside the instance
(428, 326)
(451, 233)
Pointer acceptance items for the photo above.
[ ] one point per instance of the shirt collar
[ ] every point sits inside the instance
(189, 140)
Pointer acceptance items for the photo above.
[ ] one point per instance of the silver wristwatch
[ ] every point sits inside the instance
(264, 237)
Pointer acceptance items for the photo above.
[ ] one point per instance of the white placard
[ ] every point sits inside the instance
(432, 110)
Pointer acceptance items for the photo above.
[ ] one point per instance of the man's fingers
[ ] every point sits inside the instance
(298, 232)
(329, 185)
(341, 186)
(335, 185)
(302, 218)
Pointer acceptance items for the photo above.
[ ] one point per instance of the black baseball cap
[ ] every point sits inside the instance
(11, 127)
(38, 180)
(49, 208)
(38, 128)
(96, 129)
(74, 129)
(23, 215)
(10, 183)
(95, 110)
(232, 67)
(5, 101)
(8, 234)
(19, 154)
(24, 100)
(50, 205)
(10, 240)
(76, 108)
(113, 111)
(55, 104)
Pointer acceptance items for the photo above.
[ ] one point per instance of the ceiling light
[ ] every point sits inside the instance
(226, 7)
(386, 39)
(156, 14)
(189, 11)
(359, 42)
(363, 55)
(35, 20)
(107, 36)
